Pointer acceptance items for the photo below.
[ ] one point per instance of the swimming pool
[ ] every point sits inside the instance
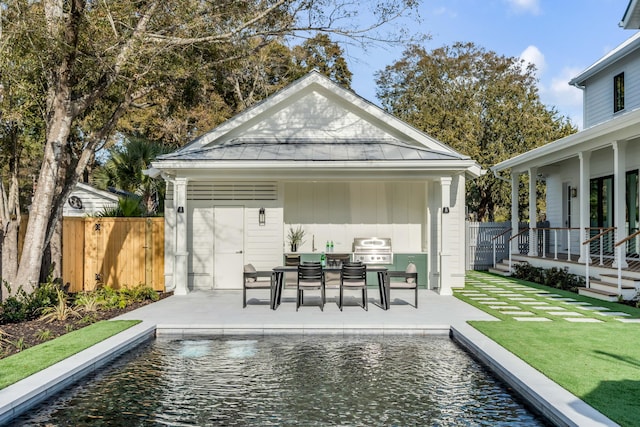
(290, 380)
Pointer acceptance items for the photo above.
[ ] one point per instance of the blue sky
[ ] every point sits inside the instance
(562, 37)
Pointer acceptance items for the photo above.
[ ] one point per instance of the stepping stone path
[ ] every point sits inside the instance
(528, 304)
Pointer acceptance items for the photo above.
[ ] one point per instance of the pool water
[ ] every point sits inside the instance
(289, 380)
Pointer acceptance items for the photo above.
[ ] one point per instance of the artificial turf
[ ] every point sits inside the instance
(597, 362)
(34, 359)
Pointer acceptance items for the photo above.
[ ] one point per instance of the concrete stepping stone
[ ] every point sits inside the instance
(594, 308)
(495, 303)
(565, 313)
(516, 313)
(534, 302)
(577, 303)
(504, 307)
(564, 299)
(615, 313)
(582, 320)
(483, 299)
(629, 320)
(532, 319)
(522, 299)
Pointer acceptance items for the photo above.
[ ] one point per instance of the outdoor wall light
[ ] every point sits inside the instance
(445, 210)
(262, 220)
(574, 192)
(180, 209)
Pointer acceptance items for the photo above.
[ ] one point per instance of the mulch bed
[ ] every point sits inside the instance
(15, 337)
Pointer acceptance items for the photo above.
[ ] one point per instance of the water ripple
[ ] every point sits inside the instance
(313, 381)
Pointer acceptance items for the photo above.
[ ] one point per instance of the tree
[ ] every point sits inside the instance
(123, 171)
(324, 55)
(102, 59)
(482, 104)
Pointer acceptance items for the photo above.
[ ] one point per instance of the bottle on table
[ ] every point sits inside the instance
(323, 259)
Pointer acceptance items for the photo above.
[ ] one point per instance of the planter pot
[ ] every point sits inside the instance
(294, 247)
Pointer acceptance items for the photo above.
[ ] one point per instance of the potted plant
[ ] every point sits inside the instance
(295, 237)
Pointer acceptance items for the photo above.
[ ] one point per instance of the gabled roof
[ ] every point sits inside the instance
(631, 18)
(626, 47)
(97, 192)
(317, 123)
(310, 149)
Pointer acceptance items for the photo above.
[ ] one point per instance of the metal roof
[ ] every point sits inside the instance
(311, 149)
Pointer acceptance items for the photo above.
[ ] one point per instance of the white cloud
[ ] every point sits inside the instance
(532, 55)
(564, 97)
(525, 6)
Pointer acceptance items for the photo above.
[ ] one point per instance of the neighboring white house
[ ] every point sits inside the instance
(318, 156)
(87, 200)
(591, 177)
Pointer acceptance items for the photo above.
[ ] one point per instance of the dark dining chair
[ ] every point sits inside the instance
(353, 276)
(310, 277)
(251, 280)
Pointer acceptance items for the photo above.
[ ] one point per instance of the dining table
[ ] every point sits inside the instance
(277, 285)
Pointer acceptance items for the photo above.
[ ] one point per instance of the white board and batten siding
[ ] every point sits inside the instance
(260, 245)
(341, 211)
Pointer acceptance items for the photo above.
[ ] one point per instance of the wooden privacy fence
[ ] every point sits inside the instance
(119, 252)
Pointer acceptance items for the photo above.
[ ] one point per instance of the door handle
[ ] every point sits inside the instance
(238, 252)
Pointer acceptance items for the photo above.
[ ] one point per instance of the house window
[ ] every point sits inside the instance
(618, 93)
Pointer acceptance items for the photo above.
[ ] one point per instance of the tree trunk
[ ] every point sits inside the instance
(58, 131)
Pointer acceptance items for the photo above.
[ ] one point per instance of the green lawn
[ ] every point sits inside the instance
(598, 362)
(34, 359)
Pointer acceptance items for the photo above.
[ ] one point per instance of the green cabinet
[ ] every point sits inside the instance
(400, 262)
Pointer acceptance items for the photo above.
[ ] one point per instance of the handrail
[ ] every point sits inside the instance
(556, 228)
(597, 236)
(526, 230)
(626, 239)
(501, 234)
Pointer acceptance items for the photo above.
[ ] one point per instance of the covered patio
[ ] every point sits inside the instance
(318, 157)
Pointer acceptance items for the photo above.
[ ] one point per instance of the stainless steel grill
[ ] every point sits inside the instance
(372, 250)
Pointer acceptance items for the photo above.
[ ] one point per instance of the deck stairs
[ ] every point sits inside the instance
(502, 267)
(603, 282)
(606, 287)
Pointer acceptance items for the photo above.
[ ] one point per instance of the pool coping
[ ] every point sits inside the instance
(548, 398)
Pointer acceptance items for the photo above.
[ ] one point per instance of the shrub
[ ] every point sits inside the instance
(61, 311)
(553, 277)
(88, 302)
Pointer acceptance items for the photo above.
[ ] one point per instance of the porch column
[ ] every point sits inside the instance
(446, 246)
(584, 191)
(181, 266)
(515, 218)
(619, 198)
(533, 209)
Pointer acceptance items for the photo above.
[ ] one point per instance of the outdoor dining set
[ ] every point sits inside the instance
(313, 276)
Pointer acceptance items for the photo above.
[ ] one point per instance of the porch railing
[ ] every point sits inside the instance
(551, 240)
(600, 237)
(630, 245)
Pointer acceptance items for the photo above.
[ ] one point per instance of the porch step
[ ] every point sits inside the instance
(501, 271)
(598, 294)
(627, 291)
(633, 282)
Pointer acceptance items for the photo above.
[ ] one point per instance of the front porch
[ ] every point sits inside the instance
(605, 277)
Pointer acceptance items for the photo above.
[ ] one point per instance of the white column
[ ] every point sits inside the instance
(515, 218)
(533, 240)
(181, 266)
(584, 191)
(619, 197)
(447, 246)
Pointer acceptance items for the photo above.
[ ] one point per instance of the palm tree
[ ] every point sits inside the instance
(123, 170)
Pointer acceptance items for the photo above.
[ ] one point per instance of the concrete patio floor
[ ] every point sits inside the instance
(218, 312)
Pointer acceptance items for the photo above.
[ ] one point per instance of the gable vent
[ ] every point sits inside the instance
(232, 191)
